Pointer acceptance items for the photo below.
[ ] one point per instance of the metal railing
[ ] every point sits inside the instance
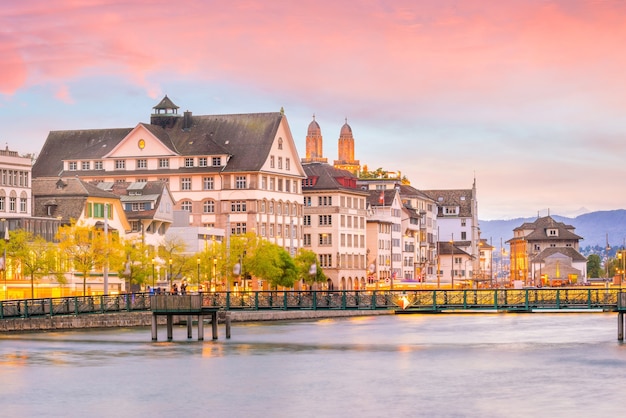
(402, 300)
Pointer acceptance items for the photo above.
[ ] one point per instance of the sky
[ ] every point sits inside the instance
(527, 97)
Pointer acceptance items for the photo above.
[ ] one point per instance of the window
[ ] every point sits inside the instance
(264, 183)
(280, 143)
(97, 165)
(72, 166)
(326, 239)
(142, 163)
(271, 208)
(135, 226)
(306, 220)
(120, 164)
(280, 163)
(188, 162)
(238, 228)
(85, 165)
(287, 183)
(306, 240)
(208, 183)
(185, 205)
(262, 207)
(23, 204)
(12, 204)
(137, 206)
(271, 183)
(307, 200)
(326, 260)
(185, 183)
(463, 222)
(240, 182)
(216, 161)
(238, 206)
(287, 163)
(325, 220)
(280, 185)
(2, 209)
(464, 235)
(203, 162)
(164, 162)
(209, 206)
(325, 200)
(272, 161)
(164, 180)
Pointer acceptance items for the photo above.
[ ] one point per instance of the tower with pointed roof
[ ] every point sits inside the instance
(314, 153)
(346, 159)
(165, 113)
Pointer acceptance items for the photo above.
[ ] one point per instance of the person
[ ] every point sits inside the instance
(183, 288)
(174, 289)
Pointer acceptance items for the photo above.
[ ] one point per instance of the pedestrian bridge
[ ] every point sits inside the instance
(401, 301)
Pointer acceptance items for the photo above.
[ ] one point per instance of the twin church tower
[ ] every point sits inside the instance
(314, 153)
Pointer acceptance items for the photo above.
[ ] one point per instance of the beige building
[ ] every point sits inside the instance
(335, 224)
(236, 172)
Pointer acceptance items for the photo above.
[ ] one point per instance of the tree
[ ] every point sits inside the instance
(274, 264)
(178, 263)
(85, 248)
(594, 266)
(34, 255)
(137, 260)
(304, 261)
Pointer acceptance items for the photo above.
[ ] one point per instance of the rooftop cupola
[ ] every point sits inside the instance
(165, 114)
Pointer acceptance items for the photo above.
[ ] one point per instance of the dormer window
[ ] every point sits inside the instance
(553, 232)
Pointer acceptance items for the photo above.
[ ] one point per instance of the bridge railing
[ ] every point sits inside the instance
(423, 300)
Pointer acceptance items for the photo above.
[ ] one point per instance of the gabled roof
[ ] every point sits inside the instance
(540, 227)
(446, 248)
(458, 198)
(246, 138)
(328, 177)
(381, 197)
(410, 191)
(68, 196)
(150, 191)
(566, 251)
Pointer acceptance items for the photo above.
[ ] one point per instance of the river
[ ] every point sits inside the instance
(446, 365)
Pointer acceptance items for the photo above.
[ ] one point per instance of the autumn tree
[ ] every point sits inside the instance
(84, 247)
(274, 264)
(33, 253)
(308, 268)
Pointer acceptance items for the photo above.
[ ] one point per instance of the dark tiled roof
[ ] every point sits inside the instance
(446, 248)
(166, 103)
(461, 198)
(82, 144)
(68, 196)
(247, 138)
(567, 251)
(328, 177)
(410, 191)
(541, 225)
(374, 198)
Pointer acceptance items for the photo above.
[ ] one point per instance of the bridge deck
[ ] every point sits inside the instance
(526, 300)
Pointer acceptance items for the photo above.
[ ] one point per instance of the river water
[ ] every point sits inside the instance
(447, 365)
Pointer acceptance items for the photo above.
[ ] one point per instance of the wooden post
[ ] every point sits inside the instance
(170, 326)
(200, 328)
(227, 321)
(214, 324)
(189, 325)
(620, 326)
(154, 328)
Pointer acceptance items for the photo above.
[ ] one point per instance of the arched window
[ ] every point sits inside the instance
(185, 205)
(209, 206)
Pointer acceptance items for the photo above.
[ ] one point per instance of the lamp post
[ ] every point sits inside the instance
(452, 265)
(214, 273)
(170, 261)
(198, 264)
(4, 257)
(153, 281)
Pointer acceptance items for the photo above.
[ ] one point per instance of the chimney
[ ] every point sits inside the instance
(186, 120)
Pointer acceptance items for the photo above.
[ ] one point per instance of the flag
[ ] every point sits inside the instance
(2, 263)
(381, 199)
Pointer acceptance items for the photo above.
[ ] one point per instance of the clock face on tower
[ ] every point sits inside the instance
(141, 144)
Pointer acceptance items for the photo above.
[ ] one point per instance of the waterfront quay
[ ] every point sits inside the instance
(144, 309)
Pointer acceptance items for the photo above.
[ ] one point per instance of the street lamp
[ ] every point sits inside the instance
(452, 264)
(198, 264)
(214, 273)
(170, 261)
(153, 274)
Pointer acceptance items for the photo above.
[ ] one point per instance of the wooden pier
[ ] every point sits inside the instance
(185, 305)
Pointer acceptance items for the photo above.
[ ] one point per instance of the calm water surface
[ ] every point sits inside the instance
(491, 365)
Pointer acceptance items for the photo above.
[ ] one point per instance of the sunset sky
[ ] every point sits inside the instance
(527, 96)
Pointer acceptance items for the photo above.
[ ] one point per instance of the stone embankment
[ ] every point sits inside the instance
(144, 319)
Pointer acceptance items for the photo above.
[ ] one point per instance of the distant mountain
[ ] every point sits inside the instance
(592, 226)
